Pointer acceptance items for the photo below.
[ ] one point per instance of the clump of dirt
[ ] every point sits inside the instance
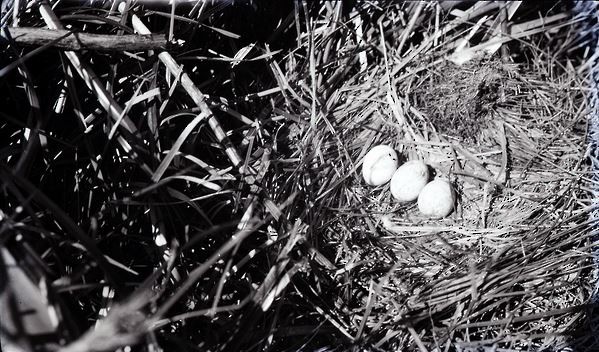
(458, 99)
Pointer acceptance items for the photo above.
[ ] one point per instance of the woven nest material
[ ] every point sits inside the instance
(511, 266)
(213, 199)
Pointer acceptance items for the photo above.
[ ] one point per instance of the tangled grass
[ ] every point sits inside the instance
(236, 219)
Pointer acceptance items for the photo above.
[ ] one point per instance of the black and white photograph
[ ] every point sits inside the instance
(299, 175)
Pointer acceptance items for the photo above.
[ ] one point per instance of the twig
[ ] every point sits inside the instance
(65, 39)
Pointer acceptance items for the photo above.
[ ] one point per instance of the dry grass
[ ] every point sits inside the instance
(248, 226)
(510, 268)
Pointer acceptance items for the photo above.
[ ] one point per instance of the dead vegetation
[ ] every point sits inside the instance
(459, 100)
(211, 194)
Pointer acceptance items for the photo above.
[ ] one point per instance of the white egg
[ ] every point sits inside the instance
(436, 200)
(408, 180)
(379, 165)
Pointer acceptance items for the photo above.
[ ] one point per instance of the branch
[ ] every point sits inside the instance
(68, 40)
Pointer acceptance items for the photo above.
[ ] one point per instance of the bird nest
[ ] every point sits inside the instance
(214, 198)
(509, 132)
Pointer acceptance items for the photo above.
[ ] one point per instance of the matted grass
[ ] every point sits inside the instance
(511, 267)
(289, 249)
